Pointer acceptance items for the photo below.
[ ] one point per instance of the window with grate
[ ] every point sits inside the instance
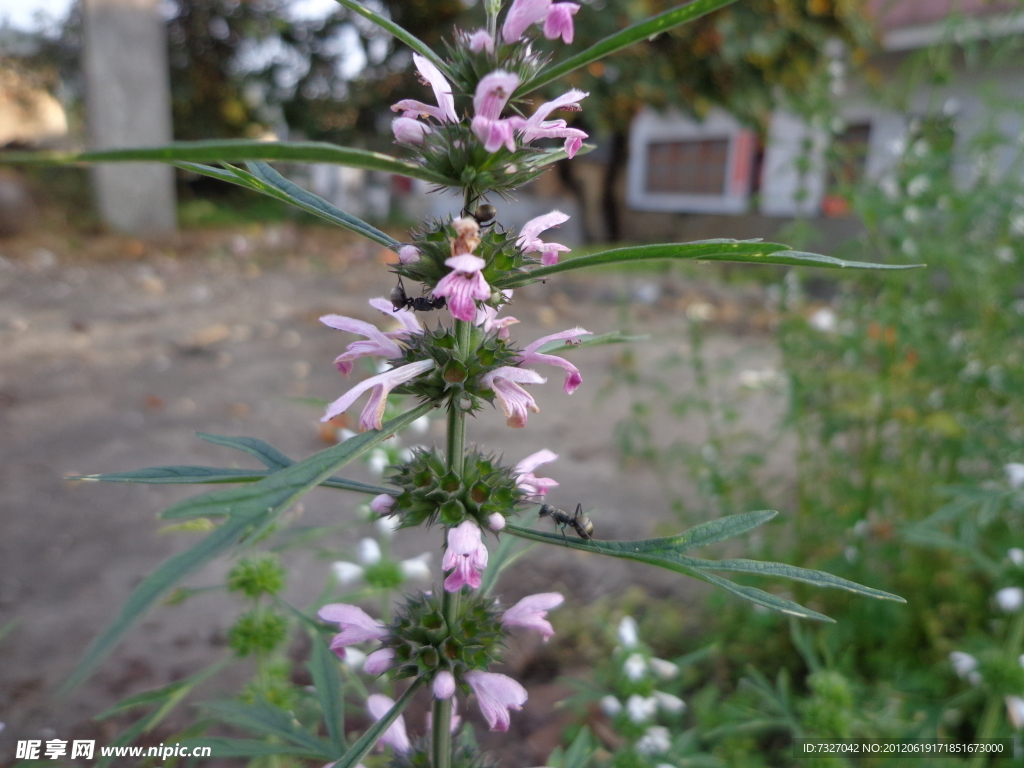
(688, 167)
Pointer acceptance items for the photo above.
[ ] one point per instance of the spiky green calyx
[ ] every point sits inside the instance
(257, 631)
(468, 68)
(431, 492)
(425, 644)
(434, 242)
(255, 576)
(456, 372)
(453, 151)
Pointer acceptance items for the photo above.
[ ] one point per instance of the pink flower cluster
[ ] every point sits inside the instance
(496, 694)
(495, 89)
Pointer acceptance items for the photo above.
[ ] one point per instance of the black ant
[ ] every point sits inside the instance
(580, 522)
(400, 301)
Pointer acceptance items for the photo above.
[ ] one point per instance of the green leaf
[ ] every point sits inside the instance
(268, 720)
(250, 508)
(627, 37)
(189, 475)
(177, 475)
(720, 529)
(233, 150)
(276, 492)
(667, 553)
(264, 179)
(758, 596)
(762, 568)
(263, 451)
(361, 748)
(400, 34)
(224, 747)
(612, 337)
(323, 666)
(151, 589)
(580, 751)
(745, 251)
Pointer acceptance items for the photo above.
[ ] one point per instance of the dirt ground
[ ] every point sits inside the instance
(113, 352)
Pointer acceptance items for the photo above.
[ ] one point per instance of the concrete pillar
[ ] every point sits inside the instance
(129, 105)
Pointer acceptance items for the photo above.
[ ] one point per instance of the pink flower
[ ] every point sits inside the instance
(379, 662)
(496, 694)
(531, 612)
(492, 94)
(464, 285)
(408, 254)
(380, 385)
(480, 40)
(521, 15)
(396, 736)
(466, 554)
(529, 242)
(444, 684)
(530, 356)
(383, 504)
(409, 131)
(532, 486)
(445, 110)
(487, 317)
(539, 127)
(356, 626)
(496, 521)
(514, 400)
(406, 317)
(378, 342)
(559, 22)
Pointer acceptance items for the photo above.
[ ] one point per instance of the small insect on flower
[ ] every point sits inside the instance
(580, 522)
(400, 301)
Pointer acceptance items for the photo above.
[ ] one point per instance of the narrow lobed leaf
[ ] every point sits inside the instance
(251, 508)
(307, 201)
(190, 475)
(266, 719)
(277, 491)
(806, 575)
(323, 667)
(233, 150)
(743, 251)
(667, 553)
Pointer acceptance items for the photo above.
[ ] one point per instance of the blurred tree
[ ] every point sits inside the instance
(241, 68)
(745, 58)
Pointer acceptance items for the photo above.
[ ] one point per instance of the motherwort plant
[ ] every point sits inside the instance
(476, 130)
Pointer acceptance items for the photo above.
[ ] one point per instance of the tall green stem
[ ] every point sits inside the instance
(441, 741)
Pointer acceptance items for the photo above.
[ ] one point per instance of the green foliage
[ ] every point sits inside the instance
(667, 553)
(257, 576)
(749, 251)
(257, 631)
